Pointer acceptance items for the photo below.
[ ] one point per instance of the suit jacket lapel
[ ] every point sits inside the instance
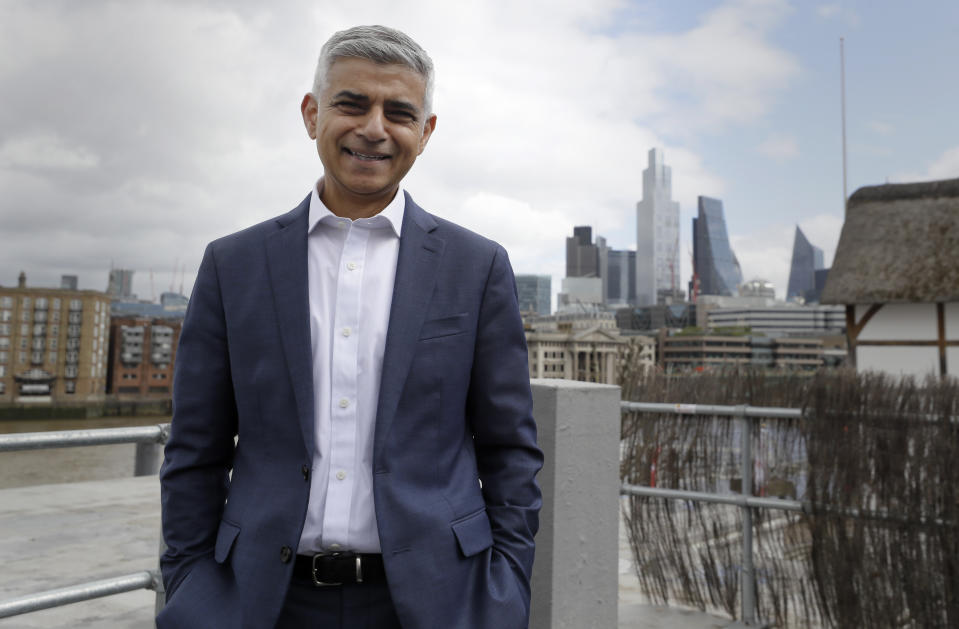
(416, 268)
(286, 254)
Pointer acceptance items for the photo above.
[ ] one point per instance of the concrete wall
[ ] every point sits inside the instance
(574, 585)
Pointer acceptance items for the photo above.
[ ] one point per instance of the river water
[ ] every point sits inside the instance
(65, 465)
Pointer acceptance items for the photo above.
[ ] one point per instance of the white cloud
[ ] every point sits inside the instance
(828, 11)
(779, 147)
(881, 128)
(45, 152)
(946, 166)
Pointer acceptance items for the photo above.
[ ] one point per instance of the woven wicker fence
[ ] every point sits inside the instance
(876, 459)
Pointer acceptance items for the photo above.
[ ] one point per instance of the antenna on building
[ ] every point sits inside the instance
(182, 273)
(842, 95)
(153, 292)
(176, 262)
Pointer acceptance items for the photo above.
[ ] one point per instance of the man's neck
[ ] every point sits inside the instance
(355, 206)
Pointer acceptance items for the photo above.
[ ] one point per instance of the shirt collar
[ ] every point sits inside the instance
(391, 215)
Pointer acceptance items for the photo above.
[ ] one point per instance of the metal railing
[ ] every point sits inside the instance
(149, 452)
(744, 500)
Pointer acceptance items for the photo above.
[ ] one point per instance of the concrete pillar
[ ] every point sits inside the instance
(576, 574)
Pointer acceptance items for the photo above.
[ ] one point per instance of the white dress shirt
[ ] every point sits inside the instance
(351, 270)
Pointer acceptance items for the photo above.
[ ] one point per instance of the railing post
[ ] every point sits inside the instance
(149, 456)
(748, 573)
(575, 581)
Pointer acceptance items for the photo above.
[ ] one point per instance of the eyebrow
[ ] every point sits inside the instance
(363, 98)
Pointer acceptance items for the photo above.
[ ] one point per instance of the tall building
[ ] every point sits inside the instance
(584, 265)
(807, 259)
(620, 277)
(716, 270)
(535, 293)
(120, 284)
(582, 256)
(657, 233)
(53, 343)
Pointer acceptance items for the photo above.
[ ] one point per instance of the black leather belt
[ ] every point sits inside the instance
(339, 568)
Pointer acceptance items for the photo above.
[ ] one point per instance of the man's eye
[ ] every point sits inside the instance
(401, 115)
(348, 106)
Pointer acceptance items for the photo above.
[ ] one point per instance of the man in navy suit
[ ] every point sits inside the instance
(353, 442)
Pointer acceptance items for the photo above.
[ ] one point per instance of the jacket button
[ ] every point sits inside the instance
(306, 472)
(285, 554)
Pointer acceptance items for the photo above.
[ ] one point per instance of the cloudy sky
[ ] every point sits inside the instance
(132, 133)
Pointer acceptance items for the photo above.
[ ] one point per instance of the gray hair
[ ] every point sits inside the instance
(379, 44)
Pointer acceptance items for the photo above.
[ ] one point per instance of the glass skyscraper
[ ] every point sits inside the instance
(714, 264)
(657, 233)
(807, 259)
(534, 293)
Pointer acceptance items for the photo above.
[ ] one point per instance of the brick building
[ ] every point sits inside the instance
(142, 351)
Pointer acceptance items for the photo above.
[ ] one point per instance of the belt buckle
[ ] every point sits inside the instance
(345, 555)
(316, 581)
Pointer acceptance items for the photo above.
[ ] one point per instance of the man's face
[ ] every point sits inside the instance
(369, 125)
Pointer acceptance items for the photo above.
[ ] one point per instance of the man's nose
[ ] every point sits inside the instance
(374, 126)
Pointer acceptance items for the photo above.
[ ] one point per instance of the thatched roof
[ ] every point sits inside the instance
(899, 243)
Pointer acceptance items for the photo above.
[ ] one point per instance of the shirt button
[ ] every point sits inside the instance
(340, 475)
(347, 331)
(351, 266)
(286, 553)
(306, 472)
(344, 403)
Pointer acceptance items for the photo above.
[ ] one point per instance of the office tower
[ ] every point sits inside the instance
(120, 284)
(620, 279)
(657, 233)
(807, 259)
(534, 292)
(582, 256)
(68, 282)
(715, 267)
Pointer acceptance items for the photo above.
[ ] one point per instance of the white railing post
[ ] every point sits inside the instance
(575, 580)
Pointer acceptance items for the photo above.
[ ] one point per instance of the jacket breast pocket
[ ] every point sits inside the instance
(225, 537)
(473, 533)
(444, 326)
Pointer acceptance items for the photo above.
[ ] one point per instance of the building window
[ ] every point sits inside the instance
(52, 358)
(3, 357)
(41, 303)
(76, 304)
(73, 357)
(128, 390)
(39, 329)
(23, 342)
(73, 343)
(56, 303)
(3, 388)
(55, 317)
(75, 317)
(25, 302)
(21, 358)
(3, 371)
(54, 343)
(24, 315)
(159, 389)
(70, 387)
(24, 329)
(37, 343)
(70, 371)
(6, 315)
(73, 331)
(6, 302)
(4, 343)
(36, 358)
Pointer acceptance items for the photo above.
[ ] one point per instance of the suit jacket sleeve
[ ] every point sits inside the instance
(194, 478)
(499, 407)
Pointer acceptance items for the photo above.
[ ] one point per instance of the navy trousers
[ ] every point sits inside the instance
(348, 606)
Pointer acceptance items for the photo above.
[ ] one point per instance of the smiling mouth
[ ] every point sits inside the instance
(364, 157)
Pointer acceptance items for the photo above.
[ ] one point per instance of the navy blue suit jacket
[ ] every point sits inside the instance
(455, 453)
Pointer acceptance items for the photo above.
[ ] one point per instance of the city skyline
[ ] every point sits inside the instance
(136, 133)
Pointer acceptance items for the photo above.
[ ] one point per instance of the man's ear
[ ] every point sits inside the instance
(310, 108)
(428, 129)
